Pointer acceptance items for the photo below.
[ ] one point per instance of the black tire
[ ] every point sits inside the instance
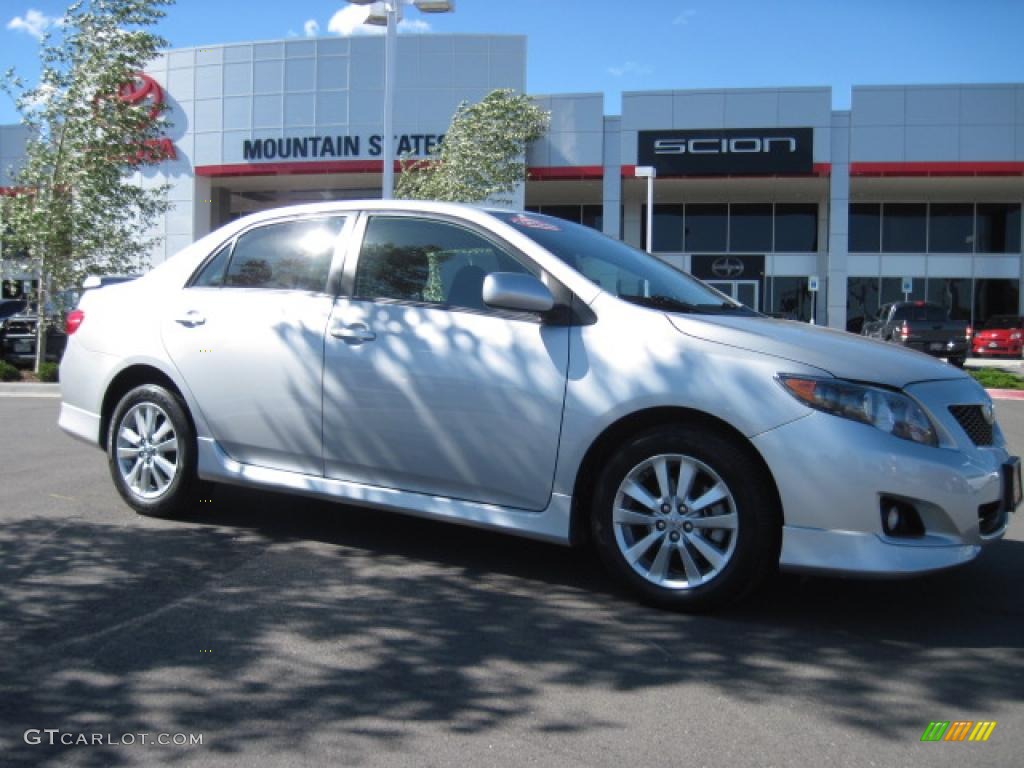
(958, 362)
(754, 554)
(183, 492)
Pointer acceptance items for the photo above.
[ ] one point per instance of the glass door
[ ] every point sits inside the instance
(744, 291)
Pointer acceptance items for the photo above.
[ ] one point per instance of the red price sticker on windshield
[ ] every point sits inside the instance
(526, 221)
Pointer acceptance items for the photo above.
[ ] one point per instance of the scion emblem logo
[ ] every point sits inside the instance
(727, 266)
(141, 88)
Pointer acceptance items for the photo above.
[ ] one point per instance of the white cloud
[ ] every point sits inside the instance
(35, 23)
(684, 17)
(629, 68)
(311, 28)
(349, 21)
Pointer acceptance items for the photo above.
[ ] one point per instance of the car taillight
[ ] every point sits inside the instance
(905, 330)
(73, 321)
(968, 333)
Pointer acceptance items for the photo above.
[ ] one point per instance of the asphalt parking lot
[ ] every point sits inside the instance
(290, 632)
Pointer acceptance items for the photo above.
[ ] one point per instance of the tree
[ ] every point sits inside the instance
(482, 155)
(75, 209)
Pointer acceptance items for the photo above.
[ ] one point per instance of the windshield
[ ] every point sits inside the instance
(621, 270)
(1002, 321)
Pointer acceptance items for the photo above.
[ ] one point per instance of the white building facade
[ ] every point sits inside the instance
(769, 193)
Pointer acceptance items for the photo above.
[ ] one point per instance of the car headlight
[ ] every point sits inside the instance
(888, 411)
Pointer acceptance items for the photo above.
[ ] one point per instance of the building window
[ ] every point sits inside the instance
(750, 227)
(796, 227)
(592, 216)
(998, 228)
(904, 227)
(865, 228)
(791, 298)
(706, 227)
(954, 294)
(668, 228)
(995, 297)
(861, 301)
(951, 228)
(892, 290)
(589, 215)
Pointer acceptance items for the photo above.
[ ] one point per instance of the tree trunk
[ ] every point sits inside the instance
(40, 323)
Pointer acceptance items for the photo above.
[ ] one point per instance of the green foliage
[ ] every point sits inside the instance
(8, 372)
(48, 372)
(80, 207)
(994, 378)
(482, 155)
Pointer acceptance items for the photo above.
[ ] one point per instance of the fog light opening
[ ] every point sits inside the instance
(900, 519)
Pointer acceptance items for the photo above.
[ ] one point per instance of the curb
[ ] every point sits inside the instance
(1006, 394)
(29, 389)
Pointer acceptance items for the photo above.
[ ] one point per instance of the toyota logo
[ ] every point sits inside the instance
(139, 89)
(727, 266)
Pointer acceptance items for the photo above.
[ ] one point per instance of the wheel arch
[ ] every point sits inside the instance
(633, 424)
(125, 381)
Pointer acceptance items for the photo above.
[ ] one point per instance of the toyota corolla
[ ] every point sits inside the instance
(520, 373)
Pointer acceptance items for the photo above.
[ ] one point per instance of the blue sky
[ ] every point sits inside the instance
(610, 47)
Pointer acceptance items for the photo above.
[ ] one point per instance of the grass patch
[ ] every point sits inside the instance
(993, 378)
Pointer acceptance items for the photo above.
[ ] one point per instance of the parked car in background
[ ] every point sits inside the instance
(921, 326)
(1000, 336)
(521, 373)
(18, 340)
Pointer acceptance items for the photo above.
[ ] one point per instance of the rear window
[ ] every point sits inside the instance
(1002, 321)
(929, 313)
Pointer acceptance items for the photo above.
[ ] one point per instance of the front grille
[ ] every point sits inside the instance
(971, 420)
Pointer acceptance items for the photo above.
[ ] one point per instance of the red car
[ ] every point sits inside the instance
(1001, 335)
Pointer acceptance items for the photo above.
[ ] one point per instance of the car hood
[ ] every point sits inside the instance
(841, 354)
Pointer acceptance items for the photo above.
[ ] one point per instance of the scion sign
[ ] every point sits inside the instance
(746, 152)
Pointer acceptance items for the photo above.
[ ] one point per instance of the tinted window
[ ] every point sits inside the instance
(861, 301)
(212, 274)
(706, 227)
(8, 308)
(998, 228)
(953, 293)
(593, 217)
(1003, 321)
(796, 227)
(668, 227)
(294, 255)
(865, 228)
(928, 313)
(903, 227)
(995, 297)
(409, 259)
(750, 227)
(620, 269)
(791, 298)
(951, 228)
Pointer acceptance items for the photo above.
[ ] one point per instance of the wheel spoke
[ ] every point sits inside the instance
(132, 477)
(166, 468)
(127, 452)
(629, 517)
(144, 478)
(165, 427)
(634, 491)
(712, 496)
(637, 551)
(659, 568)
(710, 552)
(140, 424)
(714, 521)
(661, 472)
(693, 575)
(150, 415)
(687, 471)
(130, 436)
(167, 446)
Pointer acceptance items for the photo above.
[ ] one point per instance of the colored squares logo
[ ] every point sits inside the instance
(958, 730)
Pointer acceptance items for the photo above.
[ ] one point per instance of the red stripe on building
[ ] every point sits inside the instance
(818, 169)
(289, 169)
(938, 169)
(566, 173)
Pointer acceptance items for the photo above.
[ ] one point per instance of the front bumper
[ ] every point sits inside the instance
(832, 474)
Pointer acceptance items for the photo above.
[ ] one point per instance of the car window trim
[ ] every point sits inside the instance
(564, 297)
(341, 245)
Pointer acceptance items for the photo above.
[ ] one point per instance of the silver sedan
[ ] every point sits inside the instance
(517, 372)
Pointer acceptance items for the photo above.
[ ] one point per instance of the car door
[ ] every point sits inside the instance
(428, 390)
(247, 336)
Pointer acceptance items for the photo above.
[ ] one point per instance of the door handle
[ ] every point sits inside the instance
(356, 333)
(191, 319)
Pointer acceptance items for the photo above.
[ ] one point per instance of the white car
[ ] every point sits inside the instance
(516, 372)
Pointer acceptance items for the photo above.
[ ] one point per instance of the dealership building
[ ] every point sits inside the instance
(789, 205)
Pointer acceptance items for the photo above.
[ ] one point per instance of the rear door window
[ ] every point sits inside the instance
(291, 255)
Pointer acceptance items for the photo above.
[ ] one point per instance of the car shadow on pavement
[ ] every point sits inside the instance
(276, 623)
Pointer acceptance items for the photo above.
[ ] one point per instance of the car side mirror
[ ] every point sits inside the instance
(518, 292)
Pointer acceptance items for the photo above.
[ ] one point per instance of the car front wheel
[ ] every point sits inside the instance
(151, 450)
(686, 519)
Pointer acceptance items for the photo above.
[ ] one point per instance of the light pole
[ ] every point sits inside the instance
(650, 173)
(387, 14)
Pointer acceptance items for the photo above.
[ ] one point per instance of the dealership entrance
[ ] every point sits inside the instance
(744, 291)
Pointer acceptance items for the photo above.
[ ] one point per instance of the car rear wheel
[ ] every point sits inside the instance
(686, 519)
(151, 450)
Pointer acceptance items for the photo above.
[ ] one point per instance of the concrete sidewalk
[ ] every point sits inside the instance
(29, 389)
